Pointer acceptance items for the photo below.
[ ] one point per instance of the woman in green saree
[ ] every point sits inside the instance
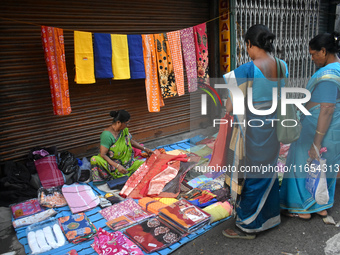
(116, 158)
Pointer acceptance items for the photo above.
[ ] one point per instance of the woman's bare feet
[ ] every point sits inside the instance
(322, 213)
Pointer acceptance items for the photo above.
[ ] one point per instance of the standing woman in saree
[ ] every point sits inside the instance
(322, 128)
(116, 158)
(254, 145)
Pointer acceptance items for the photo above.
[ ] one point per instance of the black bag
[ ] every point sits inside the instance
(68, 164)
(15, 184)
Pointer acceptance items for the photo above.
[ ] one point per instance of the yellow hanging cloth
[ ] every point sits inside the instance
(120, 57)
(83, 58)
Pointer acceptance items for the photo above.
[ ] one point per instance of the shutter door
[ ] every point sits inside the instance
(26, 113)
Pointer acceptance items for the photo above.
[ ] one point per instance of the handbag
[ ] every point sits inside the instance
(286, 134)
(316, 181)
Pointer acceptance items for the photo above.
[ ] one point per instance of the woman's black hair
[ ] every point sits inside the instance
(260, 36)
(331, 42)
(120, 115)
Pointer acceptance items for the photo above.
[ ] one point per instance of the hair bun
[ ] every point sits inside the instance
(266, 41)
(113, 114)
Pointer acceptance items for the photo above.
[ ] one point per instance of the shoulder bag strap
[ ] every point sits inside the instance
(278, 65)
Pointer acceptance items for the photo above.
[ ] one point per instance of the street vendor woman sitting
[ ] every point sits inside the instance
(116, 158)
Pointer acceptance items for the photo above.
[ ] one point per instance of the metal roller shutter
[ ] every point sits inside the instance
(26, 114)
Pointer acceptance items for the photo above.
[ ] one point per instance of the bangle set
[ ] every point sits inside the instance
(320, 133)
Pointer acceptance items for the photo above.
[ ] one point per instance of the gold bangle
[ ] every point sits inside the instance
(318, 132)
(144, 148)
(117, 166)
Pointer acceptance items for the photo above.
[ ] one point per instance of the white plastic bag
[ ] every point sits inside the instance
(316, 181)
(86, 164)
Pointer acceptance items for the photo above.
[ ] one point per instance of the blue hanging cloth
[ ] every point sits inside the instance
(137, 69)
(102, 48)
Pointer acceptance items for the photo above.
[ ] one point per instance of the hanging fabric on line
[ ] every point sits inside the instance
(137, 70)
(166, 73)
(83, 58)
(189, 55)
(102, 49)
(153, 91)
(120, 57)
(174, 39)
(53, 45)
(201, 46)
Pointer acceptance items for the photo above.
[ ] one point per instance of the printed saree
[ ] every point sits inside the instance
(189, 56)
(252, 147)
(53, 44)
(201, 46)
(120, 152)
(153, 90)
(165, 67)
(174, 39)
(293, 195)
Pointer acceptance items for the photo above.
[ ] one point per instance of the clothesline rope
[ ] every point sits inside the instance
(70, 30)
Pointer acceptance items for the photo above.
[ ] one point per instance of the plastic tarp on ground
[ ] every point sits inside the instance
(96, 218)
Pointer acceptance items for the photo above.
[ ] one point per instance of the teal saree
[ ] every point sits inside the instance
(293, 194)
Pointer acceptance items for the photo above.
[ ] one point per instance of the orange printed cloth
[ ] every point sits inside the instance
(174, 39)
(166, 73)
(153, 91)
(151, 205)
(53, 45)
(201, 47)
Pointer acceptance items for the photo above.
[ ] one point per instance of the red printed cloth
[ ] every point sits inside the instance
(120, 209)
(184, 215)
(157, 183)
(48, 172)
(53, 45)
(139, 185)
(201, 48)
(221, 145)
(153, 235)
(189, 56)
(107, 243)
